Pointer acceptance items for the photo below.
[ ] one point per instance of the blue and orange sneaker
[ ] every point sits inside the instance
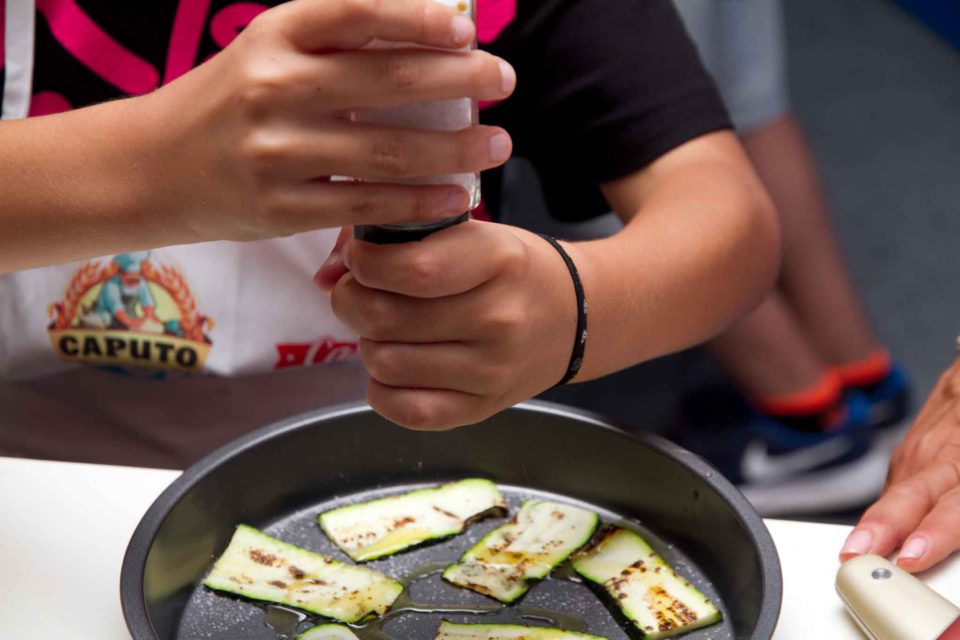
(781, 469)
(890, 406)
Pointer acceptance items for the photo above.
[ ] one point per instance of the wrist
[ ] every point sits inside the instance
(147, 172)
(575, 362)
(115, 189)
(588, 258)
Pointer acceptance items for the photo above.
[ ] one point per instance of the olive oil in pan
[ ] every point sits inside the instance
(287, 622)
(562, 594)
(283, 620)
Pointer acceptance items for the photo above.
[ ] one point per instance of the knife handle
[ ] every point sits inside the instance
(890, 604)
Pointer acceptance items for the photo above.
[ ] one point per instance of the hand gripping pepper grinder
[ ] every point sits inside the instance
(444, 115)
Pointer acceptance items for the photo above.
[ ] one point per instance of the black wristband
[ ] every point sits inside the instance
(580, 339)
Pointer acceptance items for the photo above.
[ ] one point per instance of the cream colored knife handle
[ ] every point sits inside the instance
(890, 604)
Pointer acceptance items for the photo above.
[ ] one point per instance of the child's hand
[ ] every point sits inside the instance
(454, 328)
(243, 146)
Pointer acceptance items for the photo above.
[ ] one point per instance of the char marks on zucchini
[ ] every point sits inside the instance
(382, 527)
(260, 567)
(541, 536)
(655, 599)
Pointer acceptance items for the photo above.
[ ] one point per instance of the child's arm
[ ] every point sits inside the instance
(700, 249)
(241, 147)
(479, 317)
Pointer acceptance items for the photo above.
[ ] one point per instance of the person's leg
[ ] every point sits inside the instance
(817, 312)
(800, 437)
(814, 280)
(767, 352)
(812, 325)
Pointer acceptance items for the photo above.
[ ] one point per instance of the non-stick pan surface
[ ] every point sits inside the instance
(281, 477)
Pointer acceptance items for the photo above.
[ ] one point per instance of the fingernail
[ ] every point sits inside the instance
(499, 147)
(857, 543)
(462, 28)
(333, 259)
(914, 549)
(508, 77)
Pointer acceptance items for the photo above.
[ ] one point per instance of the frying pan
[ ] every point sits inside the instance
(280, 477)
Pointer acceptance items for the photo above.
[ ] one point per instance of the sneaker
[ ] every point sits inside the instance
(783, 470)
(890, 407)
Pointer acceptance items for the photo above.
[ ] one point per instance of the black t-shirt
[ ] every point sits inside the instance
(605, 86)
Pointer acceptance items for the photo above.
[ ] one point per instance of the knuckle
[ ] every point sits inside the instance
(911, 489)
(374, 317)
(949, 503)
(354, 11)
(506, 322)
(340, 300)
(514, 257)
(380, 361)
(419, 208)
(468, 152)
(423, 22)
(403, 74)
(422, 270)
(263, 26)
(390, 158)
(360, 267)
(419, 413)
(925, 445)
(367, 206)
(485, 73)
(263, 153)
(950, 452)
(262, 80)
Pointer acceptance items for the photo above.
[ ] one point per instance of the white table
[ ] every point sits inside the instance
(62, 581)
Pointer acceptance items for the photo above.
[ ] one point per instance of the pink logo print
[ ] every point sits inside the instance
(493, 16)
(92, 46)
(48, 102)
(185, 38)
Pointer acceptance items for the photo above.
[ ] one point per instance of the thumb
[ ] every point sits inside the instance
(333, 267)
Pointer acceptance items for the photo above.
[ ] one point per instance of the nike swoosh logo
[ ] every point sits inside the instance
(759, 466)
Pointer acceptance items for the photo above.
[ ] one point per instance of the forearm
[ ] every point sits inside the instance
(699, 250)
(73, 186)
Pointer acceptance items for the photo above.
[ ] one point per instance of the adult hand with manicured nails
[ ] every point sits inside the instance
(919, 511)
(243, 147)
(454, 328)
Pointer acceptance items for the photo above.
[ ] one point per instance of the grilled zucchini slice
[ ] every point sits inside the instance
(450, 631)
(541, 536)
(259, 567)
(658, 602)
(386, 526)
(327, 632)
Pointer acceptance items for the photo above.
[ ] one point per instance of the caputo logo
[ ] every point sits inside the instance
(128, 311)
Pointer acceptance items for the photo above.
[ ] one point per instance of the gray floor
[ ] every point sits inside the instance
(879, 96)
